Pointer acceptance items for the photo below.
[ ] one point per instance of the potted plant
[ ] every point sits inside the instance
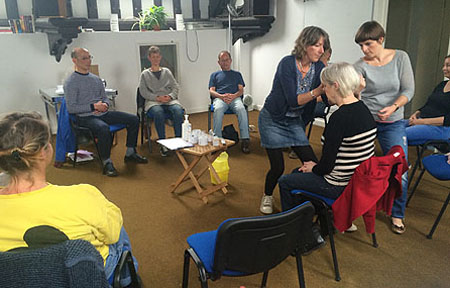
(154, 18)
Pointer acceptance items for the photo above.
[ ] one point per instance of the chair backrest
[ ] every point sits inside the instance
(257, 244)
(73, 263)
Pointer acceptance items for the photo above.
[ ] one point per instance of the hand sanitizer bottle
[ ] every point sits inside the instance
(186, 129)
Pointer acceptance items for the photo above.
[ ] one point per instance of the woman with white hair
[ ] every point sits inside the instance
(347, 141)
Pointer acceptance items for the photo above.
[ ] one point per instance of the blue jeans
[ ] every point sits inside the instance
(238, 108)
(305, 181)
(115, 251)
(99, 125)
(160, 113)
(419, 134)
(391, 134)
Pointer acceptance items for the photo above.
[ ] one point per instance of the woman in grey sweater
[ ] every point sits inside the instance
(389, 86)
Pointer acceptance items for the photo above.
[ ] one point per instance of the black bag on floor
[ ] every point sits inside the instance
(230, 133)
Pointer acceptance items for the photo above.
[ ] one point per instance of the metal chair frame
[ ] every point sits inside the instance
(444, 206)
(241, 244)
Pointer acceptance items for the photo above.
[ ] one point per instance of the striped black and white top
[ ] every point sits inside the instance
(348, 140)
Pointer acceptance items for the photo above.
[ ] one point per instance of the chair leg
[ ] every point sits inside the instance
(75, 153)
(209, 118)
(264, 279)
(301, 274)
(142, 127)
(374, 240)
(430, 235)
(333, 247)
(310, 128)
(148, 125)
(187, 259)
(98, 152)
(415, 187)
(333, 252)
(201, 268)
(419, 150)
(126, 261)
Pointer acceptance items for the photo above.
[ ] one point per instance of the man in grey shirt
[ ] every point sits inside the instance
(86, 98)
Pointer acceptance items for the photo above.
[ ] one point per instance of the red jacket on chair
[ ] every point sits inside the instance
(371, 189)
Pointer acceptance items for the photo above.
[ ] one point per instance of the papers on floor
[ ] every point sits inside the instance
(174, 143)
(82, 156)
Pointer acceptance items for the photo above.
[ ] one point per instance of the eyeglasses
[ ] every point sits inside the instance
(90, 57)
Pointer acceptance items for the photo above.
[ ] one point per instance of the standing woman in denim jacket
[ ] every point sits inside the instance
(389, 86)
(290, 106)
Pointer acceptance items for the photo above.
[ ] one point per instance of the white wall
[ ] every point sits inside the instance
(28, 66)
(340, 19)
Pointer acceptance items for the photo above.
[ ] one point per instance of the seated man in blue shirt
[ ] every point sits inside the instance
(226, 88)
(85, 97)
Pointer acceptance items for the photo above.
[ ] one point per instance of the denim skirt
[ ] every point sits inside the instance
(287, 132)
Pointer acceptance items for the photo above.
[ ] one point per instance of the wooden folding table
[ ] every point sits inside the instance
(209, 153)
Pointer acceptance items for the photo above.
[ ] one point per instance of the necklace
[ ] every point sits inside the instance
(300, 67)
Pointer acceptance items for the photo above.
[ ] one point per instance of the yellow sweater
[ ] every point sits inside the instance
(59, 212)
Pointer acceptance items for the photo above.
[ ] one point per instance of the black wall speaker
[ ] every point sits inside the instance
(260, 7)
(256, 7)
(50, 8)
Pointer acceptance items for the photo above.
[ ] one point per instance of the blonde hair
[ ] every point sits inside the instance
(22, 136)
(344, 74)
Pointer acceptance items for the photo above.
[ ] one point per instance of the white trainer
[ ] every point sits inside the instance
(266, 204)
(352, 228)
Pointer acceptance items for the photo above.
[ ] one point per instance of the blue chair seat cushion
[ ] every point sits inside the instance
(328, 201)
(204, 245)
(437, 166)
(116, 127)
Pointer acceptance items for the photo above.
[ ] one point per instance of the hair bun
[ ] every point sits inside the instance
(16, 155)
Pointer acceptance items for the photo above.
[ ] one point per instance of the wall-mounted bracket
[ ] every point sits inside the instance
(60, 32)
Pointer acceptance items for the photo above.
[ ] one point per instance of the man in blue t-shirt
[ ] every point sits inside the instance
(226, 88)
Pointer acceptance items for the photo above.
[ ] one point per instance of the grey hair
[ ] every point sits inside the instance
(344, 74)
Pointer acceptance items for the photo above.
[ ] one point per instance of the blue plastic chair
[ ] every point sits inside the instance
(72, 263)
(421, 147)
(146, 120)
(246, 246)
(322, 207)
(438, 167)
(83, 135)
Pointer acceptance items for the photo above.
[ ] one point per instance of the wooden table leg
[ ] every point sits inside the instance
(210, 158)
(187, 171)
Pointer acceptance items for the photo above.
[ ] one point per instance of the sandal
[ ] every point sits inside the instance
(398, 229)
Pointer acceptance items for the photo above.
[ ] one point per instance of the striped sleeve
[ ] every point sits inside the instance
(352, 152)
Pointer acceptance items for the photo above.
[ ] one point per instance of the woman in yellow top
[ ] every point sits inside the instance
(36, 213)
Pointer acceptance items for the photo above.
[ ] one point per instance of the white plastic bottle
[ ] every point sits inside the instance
(186, 129)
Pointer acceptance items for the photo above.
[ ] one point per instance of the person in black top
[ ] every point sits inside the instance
(347, 140)
(432, 121)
